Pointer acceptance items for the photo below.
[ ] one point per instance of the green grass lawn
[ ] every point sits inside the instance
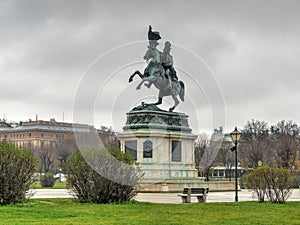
(57, 185)
(69, 211)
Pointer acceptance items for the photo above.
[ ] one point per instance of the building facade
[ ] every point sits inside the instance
(4, 125)
(41, 134)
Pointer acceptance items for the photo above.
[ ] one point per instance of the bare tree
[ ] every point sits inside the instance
(211, 151)
(286, 144)
(225, 157)
(108, 137)
(255, 144)
(201, 144)
(53, 154)
(63, 149)
(46, 159)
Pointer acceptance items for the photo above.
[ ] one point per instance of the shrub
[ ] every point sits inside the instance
(109, 177)
(47, 180)
(17, 167)
(296, 180)
(272, 183)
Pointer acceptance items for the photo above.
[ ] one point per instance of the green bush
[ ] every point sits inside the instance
(110, 176)
(271, 183)
(47, 180)
(17, 167)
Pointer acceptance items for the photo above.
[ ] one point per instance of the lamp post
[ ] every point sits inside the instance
(60, 174)
(259, 163)
(235, 136)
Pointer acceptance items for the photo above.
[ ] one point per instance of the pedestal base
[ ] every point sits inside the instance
(163, 145)
(170, 185)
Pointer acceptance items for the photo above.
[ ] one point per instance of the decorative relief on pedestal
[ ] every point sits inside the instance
(143, 118)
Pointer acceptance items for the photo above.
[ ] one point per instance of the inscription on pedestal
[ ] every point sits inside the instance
(147, 149)
(131, 148)
(176, 151)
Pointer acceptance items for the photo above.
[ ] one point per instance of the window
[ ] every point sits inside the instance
(176, 151)
(221, 173)
(42, 135)
(29, 134)
(147, 149)
(131, 148)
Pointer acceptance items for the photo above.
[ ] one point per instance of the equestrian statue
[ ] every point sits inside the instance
(160, 72)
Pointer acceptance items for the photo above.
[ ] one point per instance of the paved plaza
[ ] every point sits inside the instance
(171, 198)
(227, 196)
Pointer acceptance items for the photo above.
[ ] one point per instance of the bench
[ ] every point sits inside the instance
(200, 193)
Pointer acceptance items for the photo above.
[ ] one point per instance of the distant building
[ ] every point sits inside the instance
(225, 172)
(4, 125)
(40, 134)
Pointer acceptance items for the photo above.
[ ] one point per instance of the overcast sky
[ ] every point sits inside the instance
(239, 59)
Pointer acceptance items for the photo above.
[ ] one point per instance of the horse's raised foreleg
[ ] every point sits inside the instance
(176, 103)
(136, 73)
(139, 86)
(151, 79)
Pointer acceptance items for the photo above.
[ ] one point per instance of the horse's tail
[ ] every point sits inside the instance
(182, 90)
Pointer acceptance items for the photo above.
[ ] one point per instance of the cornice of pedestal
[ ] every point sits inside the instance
(145, 133)
(154, 120)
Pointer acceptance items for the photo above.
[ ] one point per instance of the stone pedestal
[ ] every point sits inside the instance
(163, 145)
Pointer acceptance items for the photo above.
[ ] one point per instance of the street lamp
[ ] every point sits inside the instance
(235, 136)
(60, 174)
(259, 163)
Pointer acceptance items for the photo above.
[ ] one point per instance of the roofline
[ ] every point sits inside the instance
(55, 123)
(33, 129)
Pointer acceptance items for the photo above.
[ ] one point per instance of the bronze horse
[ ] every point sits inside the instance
(154, 73)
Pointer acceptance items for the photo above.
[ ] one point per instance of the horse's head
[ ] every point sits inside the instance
(152, 53)
(149, 54)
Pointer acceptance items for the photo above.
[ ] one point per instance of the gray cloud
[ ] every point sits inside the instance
(251, 46)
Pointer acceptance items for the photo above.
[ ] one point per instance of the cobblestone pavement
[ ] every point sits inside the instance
(172, 198)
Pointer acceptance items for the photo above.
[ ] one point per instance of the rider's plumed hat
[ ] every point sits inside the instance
(153, 35)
